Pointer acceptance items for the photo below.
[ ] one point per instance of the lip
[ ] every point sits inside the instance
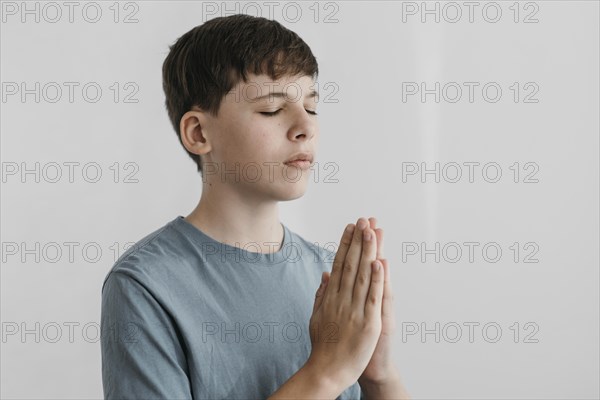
(303, 156)
(302, 164)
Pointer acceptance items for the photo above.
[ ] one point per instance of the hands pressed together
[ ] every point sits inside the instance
(353, 324)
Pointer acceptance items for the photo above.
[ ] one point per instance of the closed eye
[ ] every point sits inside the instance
(273, 113)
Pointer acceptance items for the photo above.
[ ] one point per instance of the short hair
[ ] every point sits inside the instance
(205, 63)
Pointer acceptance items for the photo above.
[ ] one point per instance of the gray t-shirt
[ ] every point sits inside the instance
(184, 316)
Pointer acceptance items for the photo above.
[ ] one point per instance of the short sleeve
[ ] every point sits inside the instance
(142, 356)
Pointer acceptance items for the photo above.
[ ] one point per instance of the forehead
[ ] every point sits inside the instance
(260, 88)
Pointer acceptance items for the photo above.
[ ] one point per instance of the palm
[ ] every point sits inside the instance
(381, 361)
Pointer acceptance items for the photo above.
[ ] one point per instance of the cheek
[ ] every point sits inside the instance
(261, 132)
(254, 145)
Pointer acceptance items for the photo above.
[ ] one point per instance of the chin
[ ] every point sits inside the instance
(291, 191)
(293, 196)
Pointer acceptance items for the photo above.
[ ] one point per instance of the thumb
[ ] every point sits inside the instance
(321, 291)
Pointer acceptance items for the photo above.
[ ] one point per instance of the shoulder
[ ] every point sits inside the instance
(148, 258)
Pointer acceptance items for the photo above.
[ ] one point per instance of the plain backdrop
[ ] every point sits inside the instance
(519, 319)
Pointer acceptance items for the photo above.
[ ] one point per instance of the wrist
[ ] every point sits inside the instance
(390, 386)
(329, 379)
(389, 374)
(309, 382)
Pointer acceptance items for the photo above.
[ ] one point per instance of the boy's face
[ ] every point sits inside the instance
(245, 135)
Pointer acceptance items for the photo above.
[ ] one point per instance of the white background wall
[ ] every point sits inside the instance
(369, 53)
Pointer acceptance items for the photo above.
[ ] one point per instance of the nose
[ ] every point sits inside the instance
(305, 127)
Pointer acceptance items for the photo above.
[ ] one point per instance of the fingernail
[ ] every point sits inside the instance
(376, 266)
(362, 224)
(349, 228)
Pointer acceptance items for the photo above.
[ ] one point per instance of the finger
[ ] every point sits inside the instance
(387, 306)
(352, 262)
(319, 294)
(363, 277)
(375, 294)
(325, 281)
(379, 235)
(340, 256)
(372, 222)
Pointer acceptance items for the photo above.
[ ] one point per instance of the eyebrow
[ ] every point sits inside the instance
(311, 94)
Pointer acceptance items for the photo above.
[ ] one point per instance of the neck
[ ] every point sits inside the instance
(238, 218)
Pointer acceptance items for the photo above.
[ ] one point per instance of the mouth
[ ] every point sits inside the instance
(302, 164)
(300, 157)
(300, 160)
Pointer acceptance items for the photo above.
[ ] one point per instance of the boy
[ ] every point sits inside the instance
(218, 304)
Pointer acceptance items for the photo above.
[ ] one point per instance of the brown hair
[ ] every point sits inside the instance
(205, 63)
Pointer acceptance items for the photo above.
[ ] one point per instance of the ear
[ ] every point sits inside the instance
(193, 133)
